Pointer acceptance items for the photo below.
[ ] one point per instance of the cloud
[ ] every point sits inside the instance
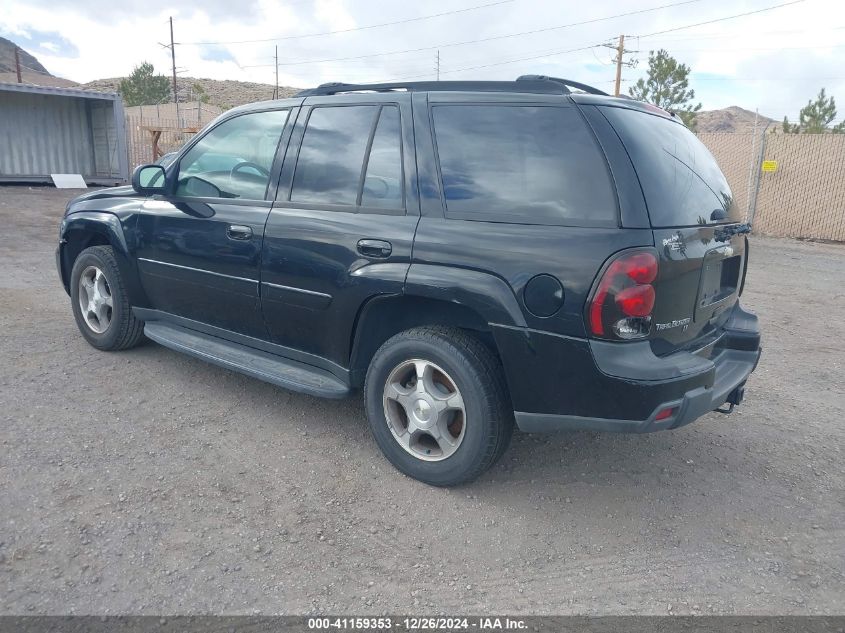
(215, 53)
(774, 61)
(108, 10)
(39, 42)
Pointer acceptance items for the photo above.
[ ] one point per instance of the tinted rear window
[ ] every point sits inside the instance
(682, 182)
(522, 164)
(329, 167)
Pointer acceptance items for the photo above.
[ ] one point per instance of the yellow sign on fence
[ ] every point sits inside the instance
(770, 165)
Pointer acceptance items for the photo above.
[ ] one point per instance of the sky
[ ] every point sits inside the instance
(774, 60)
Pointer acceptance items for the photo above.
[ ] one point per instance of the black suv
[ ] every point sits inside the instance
(470, 254)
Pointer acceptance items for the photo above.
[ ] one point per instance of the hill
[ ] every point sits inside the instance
(731, 119)
(32, 71)
(222, 93)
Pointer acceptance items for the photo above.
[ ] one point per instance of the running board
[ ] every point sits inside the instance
(283, 372)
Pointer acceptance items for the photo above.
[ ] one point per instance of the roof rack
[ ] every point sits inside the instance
(568, 83)
(526, 83)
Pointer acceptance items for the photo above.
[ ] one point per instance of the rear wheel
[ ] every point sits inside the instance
(100, 304)
(437, 405)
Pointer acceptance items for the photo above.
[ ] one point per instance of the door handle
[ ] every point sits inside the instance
(374, 248)
(238, 232)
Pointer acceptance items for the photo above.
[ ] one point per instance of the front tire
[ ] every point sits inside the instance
(437, 405)
(100, 302)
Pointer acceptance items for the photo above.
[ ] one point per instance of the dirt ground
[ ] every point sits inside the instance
(147, 482)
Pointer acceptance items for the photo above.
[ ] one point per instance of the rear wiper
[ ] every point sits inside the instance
(723, 234)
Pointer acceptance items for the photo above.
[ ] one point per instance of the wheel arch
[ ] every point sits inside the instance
(74, 242)
(94, 228)
(384, 316)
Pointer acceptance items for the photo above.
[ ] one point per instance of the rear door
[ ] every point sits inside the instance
(343, 222)
(693, 216)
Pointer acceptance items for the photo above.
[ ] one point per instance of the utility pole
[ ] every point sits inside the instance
(620, 50)
(18, 63)
(619, 60)
(276, 91)
(437, 67)
(173, 59)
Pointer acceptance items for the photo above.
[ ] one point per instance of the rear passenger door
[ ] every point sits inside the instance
(343, 222)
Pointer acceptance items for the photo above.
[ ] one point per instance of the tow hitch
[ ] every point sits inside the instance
(735, 399)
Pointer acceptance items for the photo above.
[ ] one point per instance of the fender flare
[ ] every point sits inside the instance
(106, 224)
(488, 295)
(110, 227)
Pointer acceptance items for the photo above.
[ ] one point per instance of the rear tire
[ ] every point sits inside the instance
(100, 302)
(449, 429)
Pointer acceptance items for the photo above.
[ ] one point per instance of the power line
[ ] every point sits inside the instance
(763, 48)
(502, 63)
(721, 36)
(359, 28)
(730, 17)
(544, 54)
(767, 78)
(485, 39)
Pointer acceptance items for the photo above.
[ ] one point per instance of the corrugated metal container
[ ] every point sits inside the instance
(47, 131)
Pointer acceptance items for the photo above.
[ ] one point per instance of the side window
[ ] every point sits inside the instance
(333, 157)
(522, 164)
(383, 181)
(233, 160)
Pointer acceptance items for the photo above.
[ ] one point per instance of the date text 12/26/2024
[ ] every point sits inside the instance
(416, 624)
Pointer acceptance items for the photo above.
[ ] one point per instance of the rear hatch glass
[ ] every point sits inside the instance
(689, 203)
(681, 180)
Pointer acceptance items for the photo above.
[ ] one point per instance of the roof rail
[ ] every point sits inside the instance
(526, 83)
(564, 82)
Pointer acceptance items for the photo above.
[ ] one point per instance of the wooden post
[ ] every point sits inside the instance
(173, 59)
(18, 63)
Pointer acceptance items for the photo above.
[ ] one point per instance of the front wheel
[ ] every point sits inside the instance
(100, 303)
(437, 405)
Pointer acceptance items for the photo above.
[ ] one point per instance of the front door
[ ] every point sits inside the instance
(201, 244)
(343, 223)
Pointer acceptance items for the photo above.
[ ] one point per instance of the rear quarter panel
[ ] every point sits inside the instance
(515, 253)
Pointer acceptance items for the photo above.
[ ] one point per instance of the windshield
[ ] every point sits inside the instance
(681, 180)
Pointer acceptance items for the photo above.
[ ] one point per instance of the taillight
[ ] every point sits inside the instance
(623, 300)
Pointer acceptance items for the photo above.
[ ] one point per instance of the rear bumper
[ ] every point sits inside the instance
(732, 370)
(623, 387)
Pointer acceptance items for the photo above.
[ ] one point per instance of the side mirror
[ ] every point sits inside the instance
(148, 179)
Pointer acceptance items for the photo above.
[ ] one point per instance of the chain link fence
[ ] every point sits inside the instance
(802, 192)
(175, 132)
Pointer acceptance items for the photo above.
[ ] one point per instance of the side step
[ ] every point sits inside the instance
(270, 368)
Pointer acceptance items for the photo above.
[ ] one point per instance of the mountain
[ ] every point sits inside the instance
(223, 93)
(7, 59)
(731, 119)
(32, 71)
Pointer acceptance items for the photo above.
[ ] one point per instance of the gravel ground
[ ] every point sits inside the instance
(146, 482)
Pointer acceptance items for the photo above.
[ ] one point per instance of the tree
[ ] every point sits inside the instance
(667, 86)
(143, 87)
(200, 92)
(815, 117)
